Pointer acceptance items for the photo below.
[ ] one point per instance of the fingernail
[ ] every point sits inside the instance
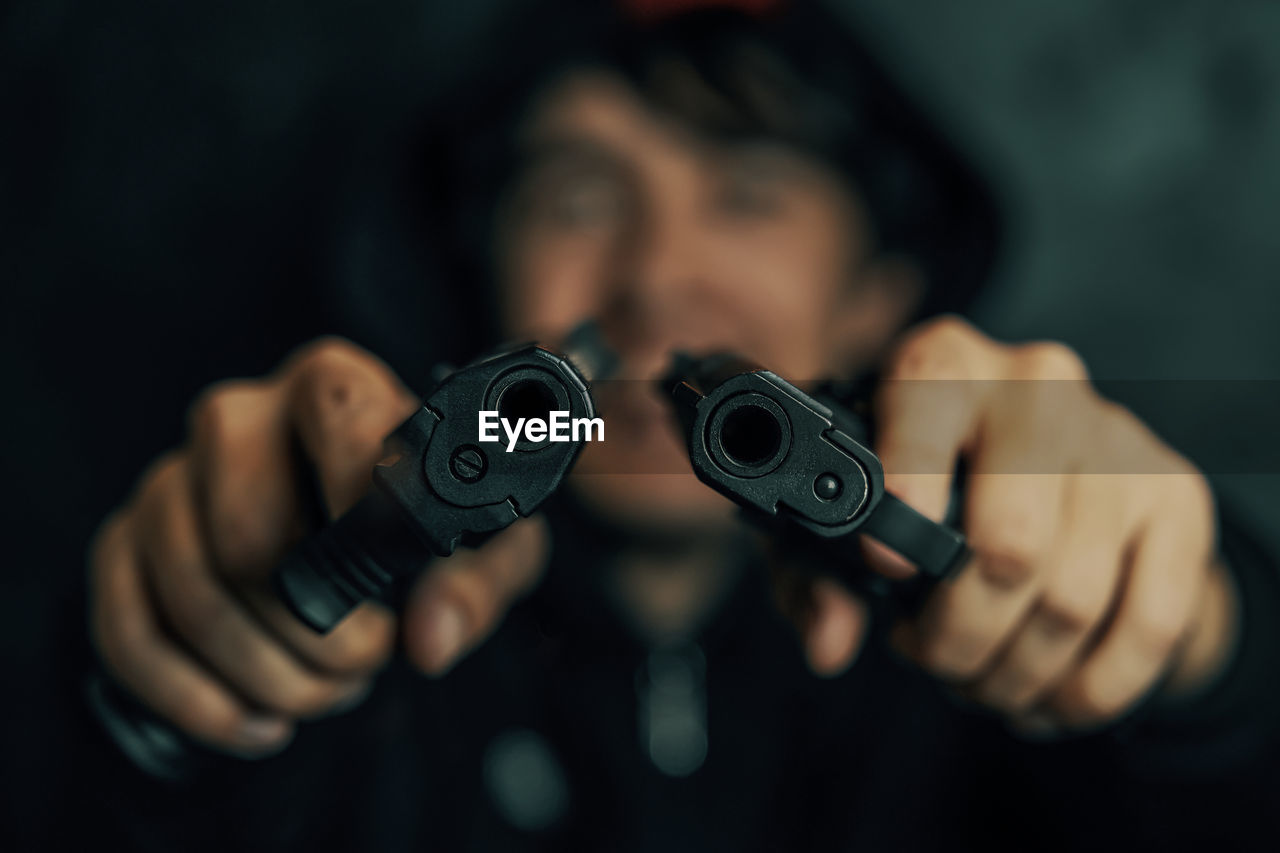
(352, 700)
(260, 730)
(444, 636)
(1036, 725)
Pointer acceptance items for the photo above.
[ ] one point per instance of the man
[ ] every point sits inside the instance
(713, 180)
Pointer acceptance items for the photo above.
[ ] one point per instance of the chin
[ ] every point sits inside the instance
(665, 505)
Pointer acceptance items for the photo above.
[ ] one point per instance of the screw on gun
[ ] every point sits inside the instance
(436, 488)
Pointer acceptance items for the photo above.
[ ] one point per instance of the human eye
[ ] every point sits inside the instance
(747, 195)
(583, 199)
(573, 187)
(755, 181)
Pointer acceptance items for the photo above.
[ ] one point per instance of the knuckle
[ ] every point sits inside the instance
(477, 598)
(116, 645)
(212, 415)
(1192, 491)
(1114, 419)
(482, 614)
(1052, 360)
(303, 697)
(116, 637)
(523, 579)
(1157, 630)
(1121, 420)
(957, 655)
(1007, 557)
(211, 720)
(1119, 442)
(952, 667)
(105, 539)
(923, 453)
(326, 354)
(335, 374)
(228, 445)
(202, 624)
(1012, 693)
(947, 327)
(1014, 704)
(929, 350)
(1066, 610)
(363, 648)
(1085, 702)
(341, 410)
(513, 574)
(240, 537)
(157, 485)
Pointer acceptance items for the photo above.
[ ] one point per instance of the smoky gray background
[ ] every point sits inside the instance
(1137, 149)
(182, 186)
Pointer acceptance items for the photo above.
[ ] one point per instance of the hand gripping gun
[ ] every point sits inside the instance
(798, 462)
(435, 488)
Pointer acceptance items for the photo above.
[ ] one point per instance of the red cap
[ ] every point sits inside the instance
(651, 11)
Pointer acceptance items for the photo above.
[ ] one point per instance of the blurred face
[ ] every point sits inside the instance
(673, 242)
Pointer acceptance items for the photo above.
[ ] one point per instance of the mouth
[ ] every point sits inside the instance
(629, 395)
(633, 405)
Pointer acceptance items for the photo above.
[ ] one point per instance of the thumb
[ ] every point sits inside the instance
(836, 628)
(457, 603)
(832, 621)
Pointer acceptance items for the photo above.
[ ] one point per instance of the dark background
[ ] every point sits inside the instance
(187, 191)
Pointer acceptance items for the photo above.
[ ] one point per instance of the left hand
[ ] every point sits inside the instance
(1094, 571)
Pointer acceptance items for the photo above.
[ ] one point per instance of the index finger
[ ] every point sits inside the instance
(927, 412)
(342, 404)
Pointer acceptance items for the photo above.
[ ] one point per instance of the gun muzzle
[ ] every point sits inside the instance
(785, 455)
(440, 486)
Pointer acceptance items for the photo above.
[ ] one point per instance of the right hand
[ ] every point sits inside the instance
(182, 612)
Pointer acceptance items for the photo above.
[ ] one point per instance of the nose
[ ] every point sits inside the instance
(658, 272)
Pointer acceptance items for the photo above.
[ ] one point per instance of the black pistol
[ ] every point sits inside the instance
(797, 461)
(439, 486)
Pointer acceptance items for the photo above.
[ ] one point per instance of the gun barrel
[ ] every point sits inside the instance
(787, 456)
(440, 485)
